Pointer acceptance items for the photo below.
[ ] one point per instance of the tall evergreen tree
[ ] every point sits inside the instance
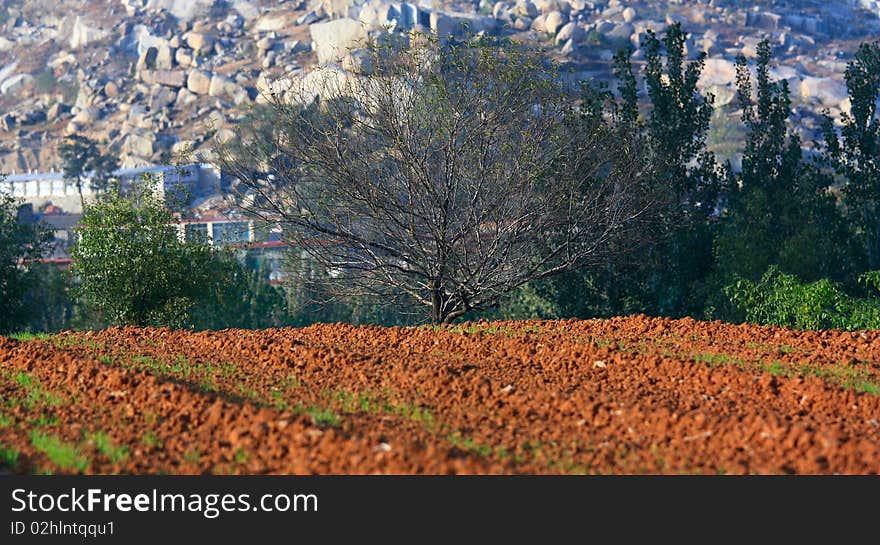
(675, 128)
(779, 211)
(854, 152)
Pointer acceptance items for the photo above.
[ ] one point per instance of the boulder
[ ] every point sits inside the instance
(8, 70)
(621, 32)
(199, 42)
(87, 116)
(547, 6)
(162, 98)
(170, 78)
(182, 9)
(265, 44)
(83, 34)
(717, 71)
(111, 89)
(499, 10)
(248, 10)
(307, 18)
(522, 23)
(199, 82)
(154, 58)
(555, 20)
(539, 23)
(525, 8)
(145, 40)
(184, 56)
(184, 97)
(788, 73)
(56, 110)
(570, 31)
(270, 21)
(141, 145)
(827, 91)
(334, 39)
(441, 24)
(629, 14)
(15, 83)
(295, 47)
(224, 87)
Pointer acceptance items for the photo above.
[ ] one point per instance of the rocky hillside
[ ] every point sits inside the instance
(154, 77)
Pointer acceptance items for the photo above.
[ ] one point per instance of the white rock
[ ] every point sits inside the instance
(546, 6)
(83, 34)
(334, 39)
(170, 78)
(499, 11)
(829, 92)
(184, 56)
(629, 14)
(141, 145)
(555, 21)
(199, 82)
(224, 87)
(270, 21)
(198, 41)
(570, 31)
(246, 9)
(525, 8)
(539, 23)
(185, 97)
(8, 70)
(621, 32)
(182, 9)
(15, 83)
(717, 71)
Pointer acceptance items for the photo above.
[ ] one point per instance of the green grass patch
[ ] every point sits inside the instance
(469, 444)
(327, 418)
(242, 456)
(105, 446)
(192, 456)
(29, 336)
(150, 439)
(471, 329)
(8, 457)
(65, 455)
(278, 400)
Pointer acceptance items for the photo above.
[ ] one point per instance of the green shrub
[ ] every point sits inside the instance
(780, 299)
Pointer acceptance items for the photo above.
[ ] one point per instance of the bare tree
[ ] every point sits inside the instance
(442, 175)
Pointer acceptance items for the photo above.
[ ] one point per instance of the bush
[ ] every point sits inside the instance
(133, 269)
(780, 299)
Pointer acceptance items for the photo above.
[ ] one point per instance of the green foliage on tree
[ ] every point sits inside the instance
(779, 211)
(133, 269)
(21, 244)
(674, 126)
(782, 300)
(84, 160)
(854, 152)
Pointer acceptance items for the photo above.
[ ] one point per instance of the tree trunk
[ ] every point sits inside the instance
(437, 316)
(82, 200)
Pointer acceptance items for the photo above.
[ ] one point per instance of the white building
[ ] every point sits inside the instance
(38, 188)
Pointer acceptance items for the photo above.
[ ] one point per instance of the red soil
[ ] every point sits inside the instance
(627, 395)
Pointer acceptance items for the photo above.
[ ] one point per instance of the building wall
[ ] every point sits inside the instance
(40, 188)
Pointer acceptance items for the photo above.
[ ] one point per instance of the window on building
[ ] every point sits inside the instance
(233, 232)
(197, 232)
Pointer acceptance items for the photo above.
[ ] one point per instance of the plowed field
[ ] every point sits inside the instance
(624, 396)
